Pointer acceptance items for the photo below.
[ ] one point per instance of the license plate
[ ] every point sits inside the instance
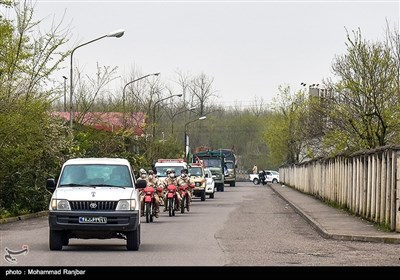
(92, 220)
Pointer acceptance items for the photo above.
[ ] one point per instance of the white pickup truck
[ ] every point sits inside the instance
(271, 176)
(94, 198)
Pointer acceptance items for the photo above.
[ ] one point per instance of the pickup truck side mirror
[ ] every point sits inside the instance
(51, 185)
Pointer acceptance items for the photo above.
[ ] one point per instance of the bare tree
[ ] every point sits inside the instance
(29, 56)
(259, 107)
(201, 89)
(90, 89)
(183, 82)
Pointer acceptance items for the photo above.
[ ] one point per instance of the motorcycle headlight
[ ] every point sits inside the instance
(60, 204)
(126, 205)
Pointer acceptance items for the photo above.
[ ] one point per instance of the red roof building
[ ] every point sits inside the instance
(108, 121)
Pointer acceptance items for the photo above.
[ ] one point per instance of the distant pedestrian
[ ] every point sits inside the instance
(254, 169)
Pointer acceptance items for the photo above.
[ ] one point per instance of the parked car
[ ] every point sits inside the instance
(210, 184)
(271, 176)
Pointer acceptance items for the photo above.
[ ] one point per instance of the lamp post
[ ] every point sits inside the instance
(117, 33)
(123, 93)
(65, 93)
(186, 150)
(177, 113)
(154, 111)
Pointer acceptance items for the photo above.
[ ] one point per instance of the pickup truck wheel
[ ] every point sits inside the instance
(211, 195)
(147, 212)
(55, 240)
(171, 206)
(203, 196)
(188, 203)
(274, 181)
(65, 240)
(256, 181)
(232, 184)
(183, 205)
(133, 239)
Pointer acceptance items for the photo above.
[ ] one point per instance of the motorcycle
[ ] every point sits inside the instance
(149, 203)
(171, 199)
(185, 202)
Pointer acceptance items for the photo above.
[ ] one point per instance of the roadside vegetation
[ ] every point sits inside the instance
(358, 111)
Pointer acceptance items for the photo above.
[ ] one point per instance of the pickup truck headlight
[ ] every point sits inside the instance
(126, 204)
(60, 204)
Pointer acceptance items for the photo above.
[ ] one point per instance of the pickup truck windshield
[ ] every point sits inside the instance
(212, 162)
(95, 175)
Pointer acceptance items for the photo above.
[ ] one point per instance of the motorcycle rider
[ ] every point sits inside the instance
(263, 177)
(185, 179)
(159, 183)
(153, 181)
(142, 176)
(171, 180)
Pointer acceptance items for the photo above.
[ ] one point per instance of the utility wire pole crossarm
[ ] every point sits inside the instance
(117, 33)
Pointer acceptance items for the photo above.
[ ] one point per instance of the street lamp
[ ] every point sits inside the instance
(65, 93)
(123, 92)
(154, 111)
(186, 150)
(177, 113)
(117, 33)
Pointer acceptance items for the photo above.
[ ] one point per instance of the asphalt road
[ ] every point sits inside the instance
(246, 225)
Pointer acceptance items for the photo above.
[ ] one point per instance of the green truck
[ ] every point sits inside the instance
(231, 165)
(222, 164)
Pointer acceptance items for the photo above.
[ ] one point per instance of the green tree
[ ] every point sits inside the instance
(32, 144)
(363, 107)
(285, 132)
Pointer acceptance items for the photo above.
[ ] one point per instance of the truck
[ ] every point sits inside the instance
(231, 165)
(215, 161)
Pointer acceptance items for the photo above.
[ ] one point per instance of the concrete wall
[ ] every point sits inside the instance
(365, 183)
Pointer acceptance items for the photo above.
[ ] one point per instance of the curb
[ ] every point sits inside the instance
(342, 237)
(24, 217)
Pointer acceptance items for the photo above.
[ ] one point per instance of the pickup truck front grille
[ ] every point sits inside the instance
(93, 205)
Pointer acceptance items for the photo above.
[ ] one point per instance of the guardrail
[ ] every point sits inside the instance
(366, 183)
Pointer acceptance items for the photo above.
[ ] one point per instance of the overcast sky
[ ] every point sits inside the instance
(250, 48)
